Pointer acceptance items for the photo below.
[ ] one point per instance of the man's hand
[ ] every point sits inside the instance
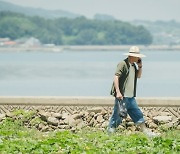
(116, 84)
(139, 63)
(119, 95)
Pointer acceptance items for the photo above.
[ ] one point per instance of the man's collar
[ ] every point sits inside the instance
(128, 63)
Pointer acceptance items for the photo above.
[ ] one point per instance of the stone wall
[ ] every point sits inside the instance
(78, 112)
(73, 104)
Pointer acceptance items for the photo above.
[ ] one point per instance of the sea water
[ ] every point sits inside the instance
(84, 73)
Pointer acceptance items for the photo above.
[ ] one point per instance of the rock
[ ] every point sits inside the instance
(2, 117)
(95, 117)
(80, 125)
(41, 126)
(53, 127)
(62, 126)
(61, 122)
(100, 119)
(65, 116)
(173, 124)
(103, 112)
(106, 117)
(178, 127)
(97, 125)
(65, 122)
(78, 121)
(152, 125)
(133, 128)
(50, 129)
(73, 129)
(88, 119)
(82, 113)
(145, 113)
(147, 118)
(95, 110)
(176, 122)
(128, 119)
(45, 129)
(9, 114)
(71, 122)
(121, 127)
(129, 124)
(95, 122)
(77, 116)
(57, 115)
(104, 124)
(168, 125)
(52, 121)
(162, 119)
(44, 115)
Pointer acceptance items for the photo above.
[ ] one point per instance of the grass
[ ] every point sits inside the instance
(15, 138)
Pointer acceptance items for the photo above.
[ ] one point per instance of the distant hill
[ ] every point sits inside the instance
(78, 31)
(104, 17)
(5, 6)
(163, 32)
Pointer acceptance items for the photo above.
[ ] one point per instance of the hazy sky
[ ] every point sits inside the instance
(120, 9)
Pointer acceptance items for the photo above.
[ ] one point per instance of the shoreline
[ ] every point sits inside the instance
(89, 48)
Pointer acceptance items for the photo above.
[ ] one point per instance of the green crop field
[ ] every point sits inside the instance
(15, 138)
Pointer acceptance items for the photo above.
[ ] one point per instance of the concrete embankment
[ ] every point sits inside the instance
(102, 101)
(89, 48)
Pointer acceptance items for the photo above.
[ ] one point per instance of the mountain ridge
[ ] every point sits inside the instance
(6, 6)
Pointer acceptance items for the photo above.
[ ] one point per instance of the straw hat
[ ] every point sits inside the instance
(134, 52)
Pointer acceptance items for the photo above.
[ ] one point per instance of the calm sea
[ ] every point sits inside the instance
(89, 73)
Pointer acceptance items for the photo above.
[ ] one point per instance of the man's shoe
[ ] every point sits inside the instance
(150, 134)
(110, 130)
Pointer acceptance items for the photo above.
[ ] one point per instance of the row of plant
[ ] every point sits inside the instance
(16, 138)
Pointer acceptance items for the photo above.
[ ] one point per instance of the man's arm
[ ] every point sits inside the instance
(116, 84)
(139, 72)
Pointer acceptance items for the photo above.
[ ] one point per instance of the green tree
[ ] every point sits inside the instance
(78, 31)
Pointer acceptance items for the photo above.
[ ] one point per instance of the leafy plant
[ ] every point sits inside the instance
(16, 138)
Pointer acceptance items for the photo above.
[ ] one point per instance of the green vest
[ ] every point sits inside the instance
(122, 72)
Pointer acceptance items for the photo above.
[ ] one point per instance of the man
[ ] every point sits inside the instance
(124, 88)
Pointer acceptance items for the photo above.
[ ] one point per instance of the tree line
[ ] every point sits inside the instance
(78, 31)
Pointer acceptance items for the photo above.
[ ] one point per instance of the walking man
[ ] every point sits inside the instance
(124, 88)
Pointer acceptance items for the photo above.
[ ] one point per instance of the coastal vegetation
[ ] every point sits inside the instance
(17, 137)
(78, 31)
(163, 32)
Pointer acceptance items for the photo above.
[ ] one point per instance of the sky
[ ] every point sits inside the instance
(126, 10)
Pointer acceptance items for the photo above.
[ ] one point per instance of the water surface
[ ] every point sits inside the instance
(88, 73)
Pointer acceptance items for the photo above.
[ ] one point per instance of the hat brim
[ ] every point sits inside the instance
(134, 55)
